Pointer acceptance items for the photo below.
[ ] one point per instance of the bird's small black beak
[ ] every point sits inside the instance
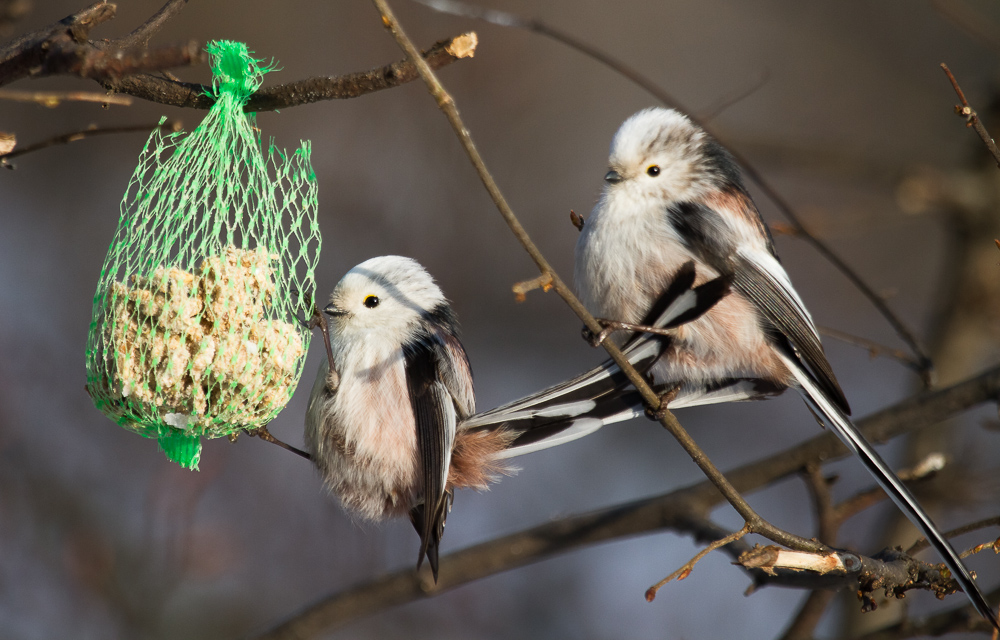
(334, 311)
(613, 177)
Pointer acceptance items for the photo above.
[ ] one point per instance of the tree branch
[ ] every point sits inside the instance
(123, 65)
(300, 92)
(446, 103)
(66, 138)
(506, 19)
(141, 35)
(971, 118)
(62, 48)
(962, 619)
(684, 510)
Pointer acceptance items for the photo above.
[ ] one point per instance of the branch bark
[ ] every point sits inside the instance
(124, 66)
(506, 19)
(446, 103)
(684, 510)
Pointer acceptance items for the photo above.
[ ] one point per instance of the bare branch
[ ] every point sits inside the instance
(66, 138)
(446, 103)
(139, 38)
(688, 566)
(922, 543)
(55, 98)
(874, 349)
(713, 112)
(962, 619)
(684, 510)
(63, 49)
(971, 118)
(806, 620)
(292, 94)
(506, 19)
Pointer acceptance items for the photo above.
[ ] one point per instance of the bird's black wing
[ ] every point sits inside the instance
(436, 421)
(759, 278)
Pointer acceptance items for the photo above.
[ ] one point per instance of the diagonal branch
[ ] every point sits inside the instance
(684, 510)
(971, 117)
(507, 19)
(446, 103)
(141, 35)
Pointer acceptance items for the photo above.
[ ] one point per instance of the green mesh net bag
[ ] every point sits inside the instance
(197, 327)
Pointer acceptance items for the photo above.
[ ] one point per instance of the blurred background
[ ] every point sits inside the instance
(851, 119)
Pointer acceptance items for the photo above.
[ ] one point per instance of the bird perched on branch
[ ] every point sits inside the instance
(673, 195)
(391, 422)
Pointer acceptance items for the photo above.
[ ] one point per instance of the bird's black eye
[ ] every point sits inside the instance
(371, 302)
(653, 170)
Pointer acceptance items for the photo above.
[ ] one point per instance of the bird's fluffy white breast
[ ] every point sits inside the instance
(626, 255)
(363, 436)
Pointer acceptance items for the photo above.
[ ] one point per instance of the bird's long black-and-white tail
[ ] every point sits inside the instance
(603, 395)
(838, 421)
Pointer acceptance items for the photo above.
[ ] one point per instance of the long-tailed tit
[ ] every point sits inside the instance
(391, 427)
(673, 195)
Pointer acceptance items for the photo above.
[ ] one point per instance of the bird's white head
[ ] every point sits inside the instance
(660, 153)
(388, 294)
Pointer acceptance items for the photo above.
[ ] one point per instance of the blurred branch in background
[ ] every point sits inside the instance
(684, 510)
(506, 19)
(965, 326)
(167, 127)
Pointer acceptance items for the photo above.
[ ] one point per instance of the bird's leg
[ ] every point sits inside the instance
(665, 399)
(318, 321)
(265, 435)
(611, 326)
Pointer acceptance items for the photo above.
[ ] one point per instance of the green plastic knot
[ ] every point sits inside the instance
(234, 71)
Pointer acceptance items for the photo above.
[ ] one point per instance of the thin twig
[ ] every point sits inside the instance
(141, 35)
(688, 566)
(265, 435)
(506, 19)
(713, 112)
(66, 138)
(971, 118)
(874, 348)
(863, 500)
(55, 98)
(682, 510)
(446, 103)
(922, 543)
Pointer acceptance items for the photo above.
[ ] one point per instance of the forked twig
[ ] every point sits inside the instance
(688, 566)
